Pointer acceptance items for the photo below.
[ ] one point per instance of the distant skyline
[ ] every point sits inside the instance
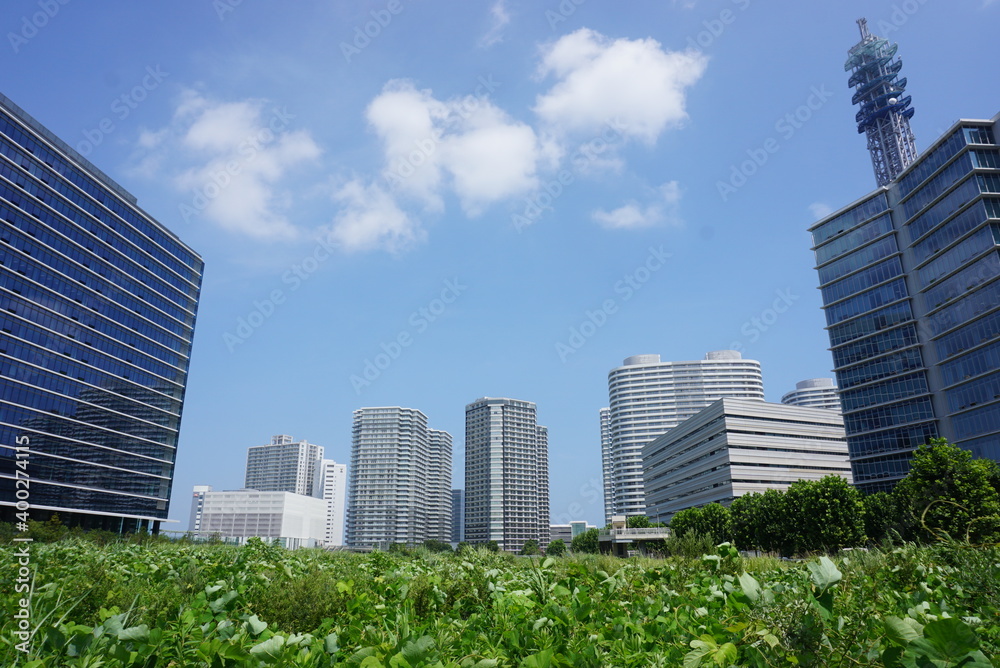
(419, 204)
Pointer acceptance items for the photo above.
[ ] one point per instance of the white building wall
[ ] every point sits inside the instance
(242, 514)
(330, 484)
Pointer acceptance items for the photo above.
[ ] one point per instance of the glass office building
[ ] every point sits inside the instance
(910, 280)
(97, 313)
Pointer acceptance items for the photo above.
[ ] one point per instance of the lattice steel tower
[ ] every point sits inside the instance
(885, 113)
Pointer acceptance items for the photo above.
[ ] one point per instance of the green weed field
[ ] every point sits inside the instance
(167, 604)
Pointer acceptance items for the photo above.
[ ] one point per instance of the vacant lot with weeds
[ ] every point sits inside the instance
(169, 604)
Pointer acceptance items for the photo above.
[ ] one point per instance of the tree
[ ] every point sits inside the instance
(637, 522)
(685, 521)
(825, 514)
(530, 547)
(556, 548)
(947, 492)
(462, 547)
(715, 522)
(882, 516)
(760, 521)
(436, 546)
(492, 546)
(587, 542)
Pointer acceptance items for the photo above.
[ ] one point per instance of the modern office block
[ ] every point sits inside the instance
(399, 480)
(649, 397)
(814, 393)
(736, 447)
(197, 505)
(457, 515)
(910, 279)
(506, 474)
(330, 484)
(296, 520)
(97, 314)
(284, 465)
(567, 532)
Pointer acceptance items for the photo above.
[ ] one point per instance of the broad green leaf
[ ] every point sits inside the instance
(269, 650)
(750, 586)
(824, 573)
(138, 633)
(255, 625)
(417, 650)
(903, 631)
(330, 644)
(950, 642)
(725, 655)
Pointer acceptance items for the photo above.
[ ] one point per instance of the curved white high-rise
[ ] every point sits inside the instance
(814, 393)
(649, 397)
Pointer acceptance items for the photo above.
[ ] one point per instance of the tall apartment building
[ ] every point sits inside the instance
(606, 470)
(457, 515)
(649, 397)
(814, 393)
(399, 487)
(909, 277)
(506, 474)
(284, 465)
(330, 484)
(736, 447)
(97, 315)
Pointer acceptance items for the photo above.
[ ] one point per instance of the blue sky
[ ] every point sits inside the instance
(462, 187)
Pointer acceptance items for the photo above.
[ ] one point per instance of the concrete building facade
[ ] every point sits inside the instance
(283, 465)
(506, 474)
(297, 520)
(399, 479)
(814, 393)
(648, 397)
(737, 446)
(330, 484)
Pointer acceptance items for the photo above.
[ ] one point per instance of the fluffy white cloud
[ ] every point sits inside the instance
(370, 219)
(633, 215)
(499, 18)
(599, 79)
(241, 152)
(466, 144)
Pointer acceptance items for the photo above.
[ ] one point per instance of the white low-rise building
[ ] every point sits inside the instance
(296, 520)
(736, 447)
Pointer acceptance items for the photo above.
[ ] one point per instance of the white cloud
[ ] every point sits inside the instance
(466, 144)
(599, 79)
(499, 18)
(235, 156)
(371, 219)
(820, 210)
(633, 215)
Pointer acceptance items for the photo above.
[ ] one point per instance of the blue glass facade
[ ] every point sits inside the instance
(97, 313)
(910, 280)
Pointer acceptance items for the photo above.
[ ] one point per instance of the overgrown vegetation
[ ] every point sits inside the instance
(946, 495)
(172, 604)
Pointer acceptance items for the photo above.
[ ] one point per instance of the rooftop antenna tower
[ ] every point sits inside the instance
(885, 113)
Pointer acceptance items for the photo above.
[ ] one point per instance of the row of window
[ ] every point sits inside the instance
(158, 393)
(965, 309)
(980, 331)
(99, 192)
(50, 271)
(849, 219)
(934, 216)
(937, 185)
(866, 301)
(891, 467)
(930, 162)
(870, 323)
(59, 496)
(63, 217)
(901, 337)
(880, 393)
(971, 364)
(975, 274)
(103, 452)
(902, 438)
(854, 239)
(860, 258)
(81, 324)
(955, 257)
(889, 416)
(974, 393)
(85, 474)
(956, 228)
(878, 368)
(975, 423)
(862, 280)
(106, 276)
